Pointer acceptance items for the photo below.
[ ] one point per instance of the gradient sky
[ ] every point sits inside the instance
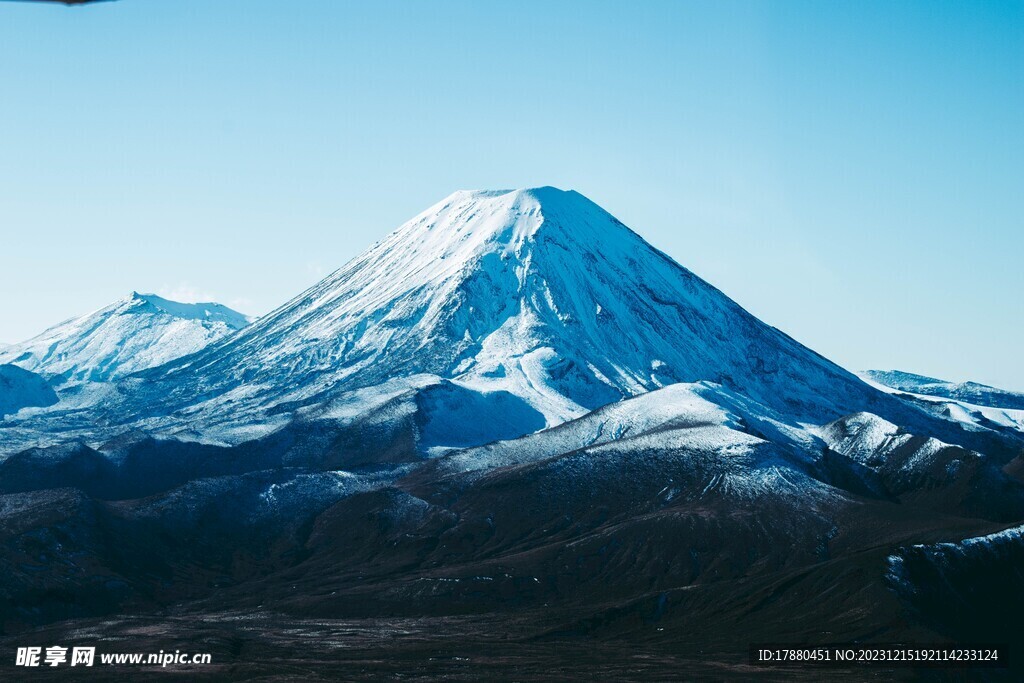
(849, 172)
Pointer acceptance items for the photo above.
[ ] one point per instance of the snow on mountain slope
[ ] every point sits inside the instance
(973, 416)
(697, 415)
(991, 408)
(537, 293)
(872, 441)
(137, 332)
(967, 392)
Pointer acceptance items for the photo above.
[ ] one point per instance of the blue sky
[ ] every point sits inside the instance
(849, 172)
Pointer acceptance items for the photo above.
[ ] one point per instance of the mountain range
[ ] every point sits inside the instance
(535, 305)
(511, 417)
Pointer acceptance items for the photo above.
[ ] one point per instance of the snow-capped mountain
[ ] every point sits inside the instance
(968, 392)
(537, 294)
(137, 332)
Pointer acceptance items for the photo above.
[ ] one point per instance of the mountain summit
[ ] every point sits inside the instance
(539, 294)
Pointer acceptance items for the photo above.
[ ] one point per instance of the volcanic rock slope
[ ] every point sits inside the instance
(20, 388)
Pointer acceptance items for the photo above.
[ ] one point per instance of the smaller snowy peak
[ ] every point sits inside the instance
(209, 311)
(136, 332)
(875, 443)
(968, 392)
(863, 435)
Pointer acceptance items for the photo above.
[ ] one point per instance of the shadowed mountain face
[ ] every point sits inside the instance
(23, 389)
(510, 434)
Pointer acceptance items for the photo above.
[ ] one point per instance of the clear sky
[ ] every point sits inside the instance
(849, 172)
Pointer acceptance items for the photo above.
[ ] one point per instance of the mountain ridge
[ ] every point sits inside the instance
(968, 392)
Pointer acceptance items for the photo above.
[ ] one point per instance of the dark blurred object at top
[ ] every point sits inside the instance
(63, 2)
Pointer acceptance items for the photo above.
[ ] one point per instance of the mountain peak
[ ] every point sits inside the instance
(137, 302)
(468, 224)
(536, 293)
(539, 193)
(135, 332)
(147, 298)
